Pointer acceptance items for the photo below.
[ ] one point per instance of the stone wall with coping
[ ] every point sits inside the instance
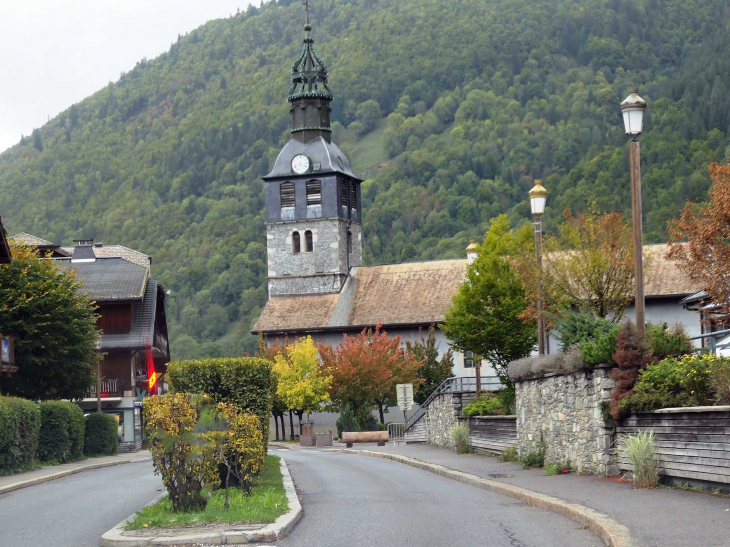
(566, 412)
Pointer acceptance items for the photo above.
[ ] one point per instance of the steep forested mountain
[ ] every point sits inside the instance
(459, 103)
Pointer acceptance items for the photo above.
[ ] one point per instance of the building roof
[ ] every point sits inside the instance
(107, 279)
(143, 324)
(327, 154)
(31, 240)
(108, 251)
(414, 293)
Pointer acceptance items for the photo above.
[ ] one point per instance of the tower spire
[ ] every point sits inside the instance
(309, 94)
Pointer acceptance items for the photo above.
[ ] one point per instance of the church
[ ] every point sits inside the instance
(317, 283)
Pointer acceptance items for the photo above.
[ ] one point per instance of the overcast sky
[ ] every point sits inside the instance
(54, 53)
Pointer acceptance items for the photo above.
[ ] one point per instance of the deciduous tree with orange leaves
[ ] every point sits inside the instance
(365, 370)
(700, 240)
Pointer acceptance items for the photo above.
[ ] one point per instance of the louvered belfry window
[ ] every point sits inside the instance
(343, 191)
(353, 195)
(286, 191)
(314, 192)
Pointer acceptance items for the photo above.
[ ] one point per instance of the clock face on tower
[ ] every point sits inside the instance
(300, 164)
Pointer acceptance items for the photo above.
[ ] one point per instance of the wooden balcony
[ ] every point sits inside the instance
(110, 388)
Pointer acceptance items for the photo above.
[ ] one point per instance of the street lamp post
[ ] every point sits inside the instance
(538, 197)
(633, 108)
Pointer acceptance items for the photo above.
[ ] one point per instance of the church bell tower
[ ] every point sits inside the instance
(313, 203)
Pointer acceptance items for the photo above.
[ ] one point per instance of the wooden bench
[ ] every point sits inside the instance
(352, 437)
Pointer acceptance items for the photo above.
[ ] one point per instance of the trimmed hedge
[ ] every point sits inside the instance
(244, 381)
(61, 437)
(101, 435)
(20, 424)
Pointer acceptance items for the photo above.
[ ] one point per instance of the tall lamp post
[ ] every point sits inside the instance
(538, 197)
(633, 108)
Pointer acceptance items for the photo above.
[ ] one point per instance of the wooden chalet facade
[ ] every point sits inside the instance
(134, 341)
(7, 357)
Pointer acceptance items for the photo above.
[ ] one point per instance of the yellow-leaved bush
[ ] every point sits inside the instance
(243, 451)
(186, 461)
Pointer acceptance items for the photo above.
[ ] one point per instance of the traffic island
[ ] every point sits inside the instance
(130, 533)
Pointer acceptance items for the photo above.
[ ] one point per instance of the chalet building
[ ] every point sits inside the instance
(7, 358)
(317, 283)
(133, 326)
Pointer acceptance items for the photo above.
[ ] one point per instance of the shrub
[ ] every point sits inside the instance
(576, 328)
(20, 423)
(537, 366)
(640, 449)
(347, 421)
(719, 379)
(632, 355)
(484, 405)
(509, 455)
(535, 457)
(61, 437)
(460, 434)
(600, 350)
(665, 342)
(557, 468)
(692, 380)
(186, 464)
(242, 451)
(243, 381)
(101, 435)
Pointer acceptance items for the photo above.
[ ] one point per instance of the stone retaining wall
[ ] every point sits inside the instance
(566, 413)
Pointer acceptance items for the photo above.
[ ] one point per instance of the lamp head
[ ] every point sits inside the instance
(538, 197)
(471, 252)
(633, 108)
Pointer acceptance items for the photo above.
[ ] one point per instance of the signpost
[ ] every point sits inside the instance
(404, 393)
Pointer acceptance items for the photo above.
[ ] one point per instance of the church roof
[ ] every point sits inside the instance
(327, 154)
(415, 293)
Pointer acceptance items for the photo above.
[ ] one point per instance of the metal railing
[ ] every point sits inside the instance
(454, 384)
(396, 432)
(713, 336)
(109, 388)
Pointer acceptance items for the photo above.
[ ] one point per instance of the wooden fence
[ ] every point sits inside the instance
(492, 433)
(692, 443)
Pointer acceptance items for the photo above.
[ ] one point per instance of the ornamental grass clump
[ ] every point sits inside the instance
(640, 450)
(460, 434)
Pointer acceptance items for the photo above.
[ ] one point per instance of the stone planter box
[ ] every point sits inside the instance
(324, 439)
(307, 440)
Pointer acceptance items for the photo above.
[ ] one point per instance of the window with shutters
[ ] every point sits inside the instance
(286, 192)
(353, 195)
(308, 241)
(296, 244)
(314, 192)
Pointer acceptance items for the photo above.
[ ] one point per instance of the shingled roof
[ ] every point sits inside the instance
(109, 251)
(143, 324)
(31, 240)
(414, 293)
(109, 278)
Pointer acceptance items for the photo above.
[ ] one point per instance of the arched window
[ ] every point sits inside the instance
(349, 241)
(296, 244)
(308, 241)
(314, 192)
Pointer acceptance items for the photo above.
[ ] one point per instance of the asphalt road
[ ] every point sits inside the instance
(75, 511)
(362, 501)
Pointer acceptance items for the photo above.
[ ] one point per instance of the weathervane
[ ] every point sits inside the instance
(306, 9)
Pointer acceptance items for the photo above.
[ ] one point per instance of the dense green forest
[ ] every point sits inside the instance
(450, 108)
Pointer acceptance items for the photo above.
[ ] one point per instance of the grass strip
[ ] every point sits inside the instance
(265, 504)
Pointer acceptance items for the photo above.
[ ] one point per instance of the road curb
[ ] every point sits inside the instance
(271, 532)
(611, 532)
(66, 473)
